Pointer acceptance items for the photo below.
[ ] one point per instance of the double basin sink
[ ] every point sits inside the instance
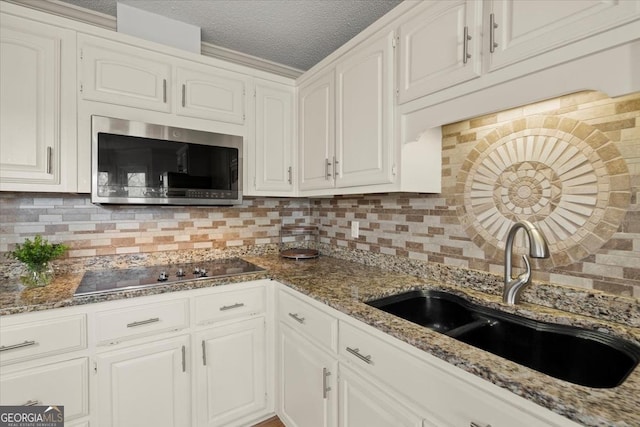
(580, 356)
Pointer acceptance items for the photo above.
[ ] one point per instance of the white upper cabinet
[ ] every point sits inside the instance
(346, 122)
(520, 29)
(120, 74)
(364, 103)
(439, 47)
(316, 118)
(37, 106)
(274, 152)
(210, 94)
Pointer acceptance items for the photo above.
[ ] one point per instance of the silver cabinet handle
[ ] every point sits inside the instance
(492, 33)
(335, 168)
(204, 353)
(356, 352)
(472, 424)
(143, 322)
(296, 317)
(164, 90)
(184, 358)
(327, 164)
(231, 307)
(49, 160)
(184, 95)
(289, 172)
(465, 46)
(31, 403)
(325, 388)
(14, 346)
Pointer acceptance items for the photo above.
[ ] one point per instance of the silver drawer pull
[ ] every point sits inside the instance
(296, 317)
(143, 322)
(231, 307)
(356, 352)
(14, 346)
(31, 403)
(472, 424)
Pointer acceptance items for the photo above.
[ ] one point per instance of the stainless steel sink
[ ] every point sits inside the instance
(584, 357)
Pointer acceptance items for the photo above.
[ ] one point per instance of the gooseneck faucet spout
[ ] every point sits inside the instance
(537, 249)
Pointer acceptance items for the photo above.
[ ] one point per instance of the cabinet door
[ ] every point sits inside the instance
(116, 73)
(210, 93)
(527, 28)
(364, 132)
(63, 383)
(316, 126)
(274, 147)
(364, 404)
(37, 106)
(231, 375)
(307, 377)
(145, 385)
(434, 54)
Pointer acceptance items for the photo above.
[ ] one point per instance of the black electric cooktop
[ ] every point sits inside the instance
(103, 281)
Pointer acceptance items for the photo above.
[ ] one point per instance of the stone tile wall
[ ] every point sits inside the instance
(91, 230)
(606, 256)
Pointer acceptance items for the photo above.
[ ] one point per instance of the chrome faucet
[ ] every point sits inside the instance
(537, 249)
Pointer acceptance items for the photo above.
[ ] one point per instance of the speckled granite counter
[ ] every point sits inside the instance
(344, 285)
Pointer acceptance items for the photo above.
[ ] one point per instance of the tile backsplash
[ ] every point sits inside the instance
(93, 230)
(427, 227)
(595, 238)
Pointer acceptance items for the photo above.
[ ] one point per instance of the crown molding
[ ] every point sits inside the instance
(86, 16)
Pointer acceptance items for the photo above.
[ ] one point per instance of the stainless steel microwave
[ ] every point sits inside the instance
(141, 163)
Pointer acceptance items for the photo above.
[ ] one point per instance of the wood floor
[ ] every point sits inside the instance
(271, 422)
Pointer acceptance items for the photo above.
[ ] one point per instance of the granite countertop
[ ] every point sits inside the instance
(345, 285)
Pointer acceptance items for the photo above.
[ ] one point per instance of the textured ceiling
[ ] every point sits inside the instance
(296, 33)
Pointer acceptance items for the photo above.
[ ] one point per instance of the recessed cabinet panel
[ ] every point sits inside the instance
(145, 385)
(231, 379)
(36, 102)
(274, 142)
(434, 53)
(364, 404)
(120, 74)
(364, 103)
(64, 383)
(527, 28)
(308, 387)
(316, 127)
(213, 95)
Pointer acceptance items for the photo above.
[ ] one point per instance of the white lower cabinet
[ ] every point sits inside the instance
(307, 378)
(385, 382)
(364, 404)
(231, 373)
(63, 383)
(145, 385)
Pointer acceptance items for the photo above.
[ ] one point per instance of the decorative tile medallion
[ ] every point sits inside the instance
(562, 174)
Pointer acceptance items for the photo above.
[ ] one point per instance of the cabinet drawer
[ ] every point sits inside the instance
(133, 322)
(229, 305)
(452, 399)
(64, 383)
(308, 320)
(31, 340)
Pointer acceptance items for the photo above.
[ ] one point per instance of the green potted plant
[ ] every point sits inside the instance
(36, 256)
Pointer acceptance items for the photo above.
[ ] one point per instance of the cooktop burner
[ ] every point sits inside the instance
(103, 281)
